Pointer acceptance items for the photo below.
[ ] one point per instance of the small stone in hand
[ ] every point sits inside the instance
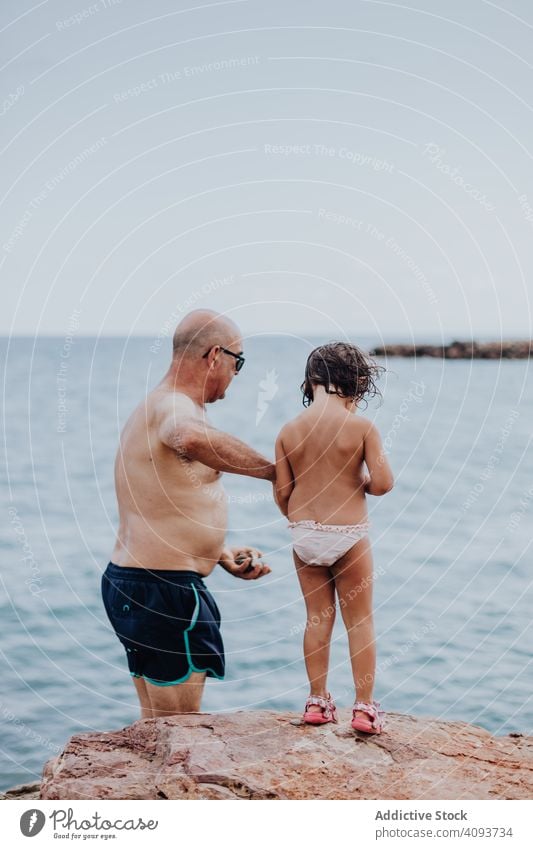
(242, 556)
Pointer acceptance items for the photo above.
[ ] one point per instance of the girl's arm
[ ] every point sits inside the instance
(381, 477)
(284, 484)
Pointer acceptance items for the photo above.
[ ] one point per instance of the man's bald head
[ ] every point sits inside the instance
(200, 330)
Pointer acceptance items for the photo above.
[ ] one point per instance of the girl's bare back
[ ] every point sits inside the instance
(326, 453)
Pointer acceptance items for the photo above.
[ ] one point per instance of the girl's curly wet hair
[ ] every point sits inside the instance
(344, 367)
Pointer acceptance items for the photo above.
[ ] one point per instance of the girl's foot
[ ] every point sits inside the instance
(367, 717)
(319, 710)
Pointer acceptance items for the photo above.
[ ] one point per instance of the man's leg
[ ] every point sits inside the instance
(144, 699)
(179, 698)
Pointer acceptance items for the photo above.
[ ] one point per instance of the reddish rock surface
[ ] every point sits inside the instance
(506, 350)
(263, 755)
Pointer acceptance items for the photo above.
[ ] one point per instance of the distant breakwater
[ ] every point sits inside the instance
(469, 350)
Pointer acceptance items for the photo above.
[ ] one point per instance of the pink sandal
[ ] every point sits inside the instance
(328, 714)
(374, 724)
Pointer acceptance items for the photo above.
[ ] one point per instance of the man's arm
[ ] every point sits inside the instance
(381, 478)
(193, 439)
(284, 478)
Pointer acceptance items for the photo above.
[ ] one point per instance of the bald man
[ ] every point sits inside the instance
(173, 521)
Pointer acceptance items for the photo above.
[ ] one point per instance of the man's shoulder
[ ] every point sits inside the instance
(166, 404)
(170, 415)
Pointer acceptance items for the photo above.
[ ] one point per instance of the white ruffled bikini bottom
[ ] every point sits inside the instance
(322, 545)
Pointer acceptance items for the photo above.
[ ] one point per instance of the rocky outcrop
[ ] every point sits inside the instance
(510, 350)
(23, 791)
(267, 755)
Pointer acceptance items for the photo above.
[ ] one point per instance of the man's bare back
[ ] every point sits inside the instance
(172, 510)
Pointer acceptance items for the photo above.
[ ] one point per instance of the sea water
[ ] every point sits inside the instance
(451, 542)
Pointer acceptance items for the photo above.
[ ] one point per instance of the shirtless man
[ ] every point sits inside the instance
(173, 521)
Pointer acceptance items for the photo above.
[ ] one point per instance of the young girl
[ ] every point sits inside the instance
(321, 487)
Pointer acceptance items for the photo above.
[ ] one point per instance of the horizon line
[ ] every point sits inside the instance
(459, 336)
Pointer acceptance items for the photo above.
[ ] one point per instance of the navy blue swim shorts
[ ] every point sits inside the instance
(167, 620)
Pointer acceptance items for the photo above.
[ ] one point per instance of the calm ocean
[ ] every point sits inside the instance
(452, 542)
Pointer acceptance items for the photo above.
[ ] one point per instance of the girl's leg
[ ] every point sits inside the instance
(353, 581)
(319, 593)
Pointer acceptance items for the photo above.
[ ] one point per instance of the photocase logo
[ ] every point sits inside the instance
(267, 389)
(32, 822)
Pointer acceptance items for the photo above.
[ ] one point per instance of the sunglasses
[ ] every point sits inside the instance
(240, 360)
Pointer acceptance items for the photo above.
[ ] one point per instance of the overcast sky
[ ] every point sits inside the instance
(340, 167)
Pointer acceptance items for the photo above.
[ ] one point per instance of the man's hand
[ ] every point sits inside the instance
(246, 557)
